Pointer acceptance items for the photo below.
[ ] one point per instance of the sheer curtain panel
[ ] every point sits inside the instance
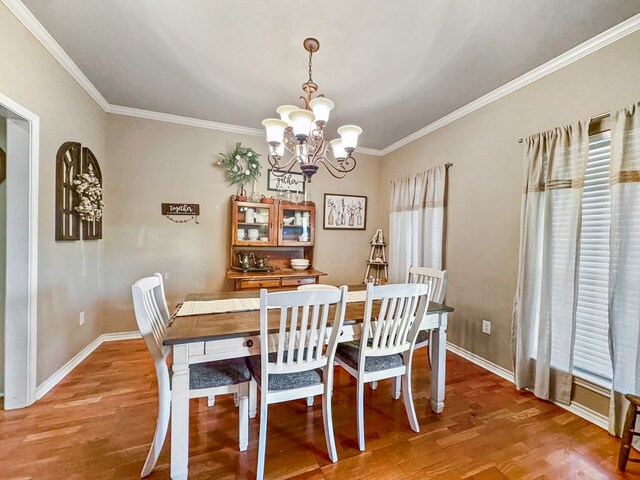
(624, 266)
(416, 222)
(545, 305)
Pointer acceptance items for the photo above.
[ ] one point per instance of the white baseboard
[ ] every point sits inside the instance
(66, 369)
(481, 362)
(581, 411)
(113, 337)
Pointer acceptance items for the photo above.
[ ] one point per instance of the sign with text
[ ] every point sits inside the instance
(181, 209)
(292, 181)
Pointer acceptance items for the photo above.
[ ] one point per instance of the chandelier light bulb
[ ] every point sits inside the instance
(279, 150)
(321, 107)
(275, 130)
(284, 111)
(337, 149)
(301, 121)
(349, 134)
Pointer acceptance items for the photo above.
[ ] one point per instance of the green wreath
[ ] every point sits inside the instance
(236, 173)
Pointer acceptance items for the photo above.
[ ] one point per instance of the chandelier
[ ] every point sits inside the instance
(300, 134)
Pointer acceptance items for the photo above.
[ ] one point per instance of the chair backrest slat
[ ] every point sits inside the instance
(152, 315)
(396, 328)
(302, 328)
(282, 335)
(313, 333)
(437, 279)
(322, 328)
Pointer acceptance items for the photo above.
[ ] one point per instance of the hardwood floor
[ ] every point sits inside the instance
(98, 424)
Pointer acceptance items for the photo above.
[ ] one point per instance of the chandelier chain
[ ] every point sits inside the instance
(310, 70)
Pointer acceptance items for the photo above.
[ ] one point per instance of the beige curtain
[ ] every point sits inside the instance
(624, 265)
(545, 302)
(416, 222)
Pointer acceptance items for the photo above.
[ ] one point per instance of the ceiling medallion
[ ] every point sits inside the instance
(300, 133)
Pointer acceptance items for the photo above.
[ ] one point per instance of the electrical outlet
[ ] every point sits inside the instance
(486, 327)
(81, 319)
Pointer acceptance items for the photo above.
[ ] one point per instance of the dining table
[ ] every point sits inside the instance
(197, 337)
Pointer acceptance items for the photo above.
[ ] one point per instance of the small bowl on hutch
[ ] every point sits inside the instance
(240, 233)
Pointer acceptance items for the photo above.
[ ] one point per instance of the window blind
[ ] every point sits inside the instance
(591, 358)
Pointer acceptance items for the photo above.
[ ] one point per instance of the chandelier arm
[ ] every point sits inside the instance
(345, 167)
(332, 169)
(274, 162)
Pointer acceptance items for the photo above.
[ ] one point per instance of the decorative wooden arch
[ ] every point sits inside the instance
(72, 160)
(3, 165)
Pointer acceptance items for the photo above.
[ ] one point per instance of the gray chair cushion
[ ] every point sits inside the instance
(218, 374)
(284, 381)
(423, 336)
(349, 352)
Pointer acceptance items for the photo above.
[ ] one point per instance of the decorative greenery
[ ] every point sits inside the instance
(89, 190)
(237, 173)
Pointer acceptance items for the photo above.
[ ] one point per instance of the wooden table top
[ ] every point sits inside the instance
(199, 328)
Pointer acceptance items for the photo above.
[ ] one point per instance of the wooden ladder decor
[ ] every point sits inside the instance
(378, 261)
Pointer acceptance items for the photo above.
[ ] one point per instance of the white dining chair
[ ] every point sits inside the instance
(205, 379)
(385, 349)
(301, 367)
(437, 280)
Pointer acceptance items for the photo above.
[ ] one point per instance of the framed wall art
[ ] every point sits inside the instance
(292, 182)
(344, 212)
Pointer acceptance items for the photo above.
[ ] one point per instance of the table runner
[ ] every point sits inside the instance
(207, 307)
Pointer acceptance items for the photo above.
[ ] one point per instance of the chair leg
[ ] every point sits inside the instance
(309, 401)
(162, 425)
(407, 397)
(235, 399)
(262, 438)
(327, 418)
(429, 348)
(397, 382)
(360, 408)
(243, 417)
(373, 385)
(627, 437)
(211, 400)
(253, 398)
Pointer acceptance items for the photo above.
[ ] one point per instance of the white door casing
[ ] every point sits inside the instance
(23, 134)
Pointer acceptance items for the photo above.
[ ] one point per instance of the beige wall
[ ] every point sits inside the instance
(159, 162)
(485, 183)
(70, 273)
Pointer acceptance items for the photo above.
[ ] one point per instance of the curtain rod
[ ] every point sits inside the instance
(448, 164)
(597, 117)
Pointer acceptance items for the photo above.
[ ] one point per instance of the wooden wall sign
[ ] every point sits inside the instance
(72, 160)
(191, 210)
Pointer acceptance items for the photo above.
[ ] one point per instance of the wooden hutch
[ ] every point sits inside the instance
(280, 231)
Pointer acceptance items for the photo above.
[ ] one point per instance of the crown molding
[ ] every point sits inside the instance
(369, 151)
(22, 13)
(607, 37)
(188, 121)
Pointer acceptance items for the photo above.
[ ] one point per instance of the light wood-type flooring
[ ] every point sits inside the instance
(98, 423)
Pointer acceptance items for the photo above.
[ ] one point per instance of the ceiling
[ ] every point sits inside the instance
(391, 67)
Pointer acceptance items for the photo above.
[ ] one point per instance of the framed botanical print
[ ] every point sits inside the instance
(344, 212)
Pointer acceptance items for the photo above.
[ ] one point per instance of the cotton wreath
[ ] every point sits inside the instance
(235, 171)
(89, 191)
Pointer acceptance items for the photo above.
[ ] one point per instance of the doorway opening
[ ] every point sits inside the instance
(20, 244)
